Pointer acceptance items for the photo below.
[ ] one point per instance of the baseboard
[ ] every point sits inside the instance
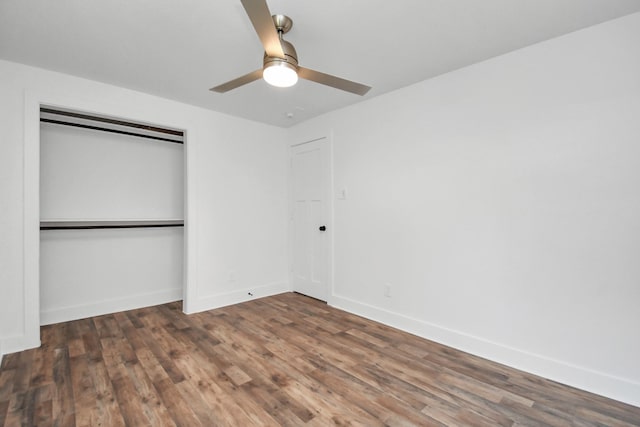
(592, 381)
(65, 314)
(211, 302)
(13, 344)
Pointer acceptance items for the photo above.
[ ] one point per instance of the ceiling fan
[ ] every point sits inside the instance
(280, 64)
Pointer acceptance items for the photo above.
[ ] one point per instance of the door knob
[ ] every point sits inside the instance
(322, 228)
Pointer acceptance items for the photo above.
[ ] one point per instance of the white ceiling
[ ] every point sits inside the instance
(179, 49)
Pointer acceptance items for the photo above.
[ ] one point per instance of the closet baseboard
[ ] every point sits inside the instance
(65, 314)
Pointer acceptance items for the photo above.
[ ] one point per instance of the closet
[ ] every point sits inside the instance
(111, 215)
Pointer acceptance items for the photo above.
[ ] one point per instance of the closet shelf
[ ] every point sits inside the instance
(101, 224)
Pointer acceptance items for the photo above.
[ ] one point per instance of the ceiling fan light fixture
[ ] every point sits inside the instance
(280, 74)
(280, 61)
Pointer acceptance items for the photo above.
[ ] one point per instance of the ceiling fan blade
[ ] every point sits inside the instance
(232, 84)
(260, 16)
(333, 81)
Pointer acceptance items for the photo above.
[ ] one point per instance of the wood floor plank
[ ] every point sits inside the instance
(6, 384)
(152, 405)
(83, 389)
(163, 358)
(106, 411)
(271, 405)
(284, 360)
(15, 410)
(204, 410)
(22, 377)
(179, 409)
(63, 407)
(4, 407)
(223, 407)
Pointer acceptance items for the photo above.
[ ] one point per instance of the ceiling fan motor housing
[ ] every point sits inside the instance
(290, 57)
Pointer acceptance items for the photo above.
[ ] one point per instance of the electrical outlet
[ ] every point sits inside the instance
(232, 276)
(387, 290)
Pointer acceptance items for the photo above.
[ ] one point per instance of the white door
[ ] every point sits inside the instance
(310, 176)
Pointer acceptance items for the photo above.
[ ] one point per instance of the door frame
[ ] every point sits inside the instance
(328, 191)
(33, 100)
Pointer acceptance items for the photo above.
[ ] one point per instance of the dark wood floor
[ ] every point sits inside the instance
(282, 360)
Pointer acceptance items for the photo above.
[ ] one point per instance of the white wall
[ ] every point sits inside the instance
(86, 273)
(502, 204)
(236, 194)
(91, 174)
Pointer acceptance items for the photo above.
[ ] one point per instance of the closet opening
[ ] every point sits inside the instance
(112, 196)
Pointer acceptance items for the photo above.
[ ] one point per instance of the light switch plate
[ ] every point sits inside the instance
(342, 194)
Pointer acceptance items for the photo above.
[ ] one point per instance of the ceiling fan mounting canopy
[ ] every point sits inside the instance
(280, 61)
(283, 23)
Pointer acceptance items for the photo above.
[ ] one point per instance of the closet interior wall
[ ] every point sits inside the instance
(112, 215)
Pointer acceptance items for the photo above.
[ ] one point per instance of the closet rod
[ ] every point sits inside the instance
(111, 121)
(95, 227)
(121, 132)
